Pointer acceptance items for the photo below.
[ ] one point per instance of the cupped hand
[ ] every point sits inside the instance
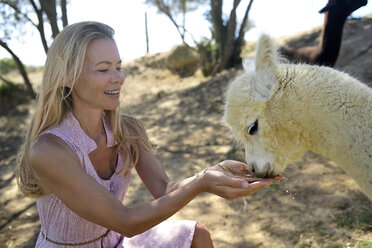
(231, 179)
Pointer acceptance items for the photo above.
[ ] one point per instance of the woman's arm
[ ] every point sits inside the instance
(59, 171)
(214, 180)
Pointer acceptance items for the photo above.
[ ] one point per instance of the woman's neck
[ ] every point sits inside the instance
(91, 122)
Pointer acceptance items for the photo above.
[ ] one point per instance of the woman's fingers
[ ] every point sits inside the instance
(232, 193)
(239, 169)
(217, 178)
(229, 180)
(238, 188)
(264, 180)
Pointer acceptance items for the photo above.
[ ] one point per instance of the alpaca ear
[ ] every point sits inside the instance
(265, 66)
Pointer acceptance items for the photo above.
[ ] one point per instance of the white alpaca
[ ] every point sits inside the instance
(278, 111)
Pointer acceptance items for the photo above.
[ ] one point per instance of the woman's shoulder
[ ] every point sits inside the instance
(48, 153)
(46, 145)
(52, 160)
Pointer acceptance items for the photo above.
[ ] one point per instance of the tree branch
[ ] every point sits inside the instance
(240, 39)
(18, 11)
(40, 26)
(166, 10)
(21, 69)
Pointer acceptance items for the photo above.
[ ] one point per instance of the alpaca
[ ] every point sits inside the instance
(278, 111)
(326, 53)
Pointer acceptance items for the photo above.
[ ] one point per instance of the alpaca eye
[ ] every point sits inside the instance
(252, 129)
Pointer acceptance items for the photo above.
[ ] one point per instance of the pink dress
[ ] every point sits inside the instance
(61, 227)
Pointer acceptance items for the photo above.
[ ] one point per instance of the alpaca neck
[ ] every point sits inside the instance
(346, 146)
(330, 114)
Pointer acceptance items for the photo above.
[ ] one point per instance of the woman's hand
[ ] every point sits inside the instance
(231, 179)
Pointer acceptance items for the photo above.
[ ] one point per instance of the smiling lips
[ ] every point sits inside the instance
(112, 92)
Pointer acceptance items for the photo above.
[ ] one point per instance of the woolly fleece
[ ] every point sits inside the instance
(300, 107)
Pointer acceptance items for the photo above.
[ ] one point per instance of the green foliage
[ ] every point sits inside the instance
(361, 219)
(208, 60)
(337, 245)
(364, 244)
(7, 65)
(5, 89)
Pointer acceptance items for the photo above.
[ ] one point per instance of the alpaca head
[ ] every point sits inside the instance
(249, 113)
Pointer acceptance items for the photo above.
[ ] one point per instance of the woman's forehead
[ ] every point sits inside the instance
(102, 50)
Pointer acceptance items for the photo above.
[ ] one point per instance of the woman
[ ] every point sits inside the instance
(79, 152)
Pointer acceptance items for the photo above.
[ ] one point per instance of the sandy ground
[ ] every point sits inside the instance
(317, 205)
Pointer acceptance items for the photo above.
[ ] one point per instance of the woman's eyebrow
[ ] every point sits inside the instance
(107, 62)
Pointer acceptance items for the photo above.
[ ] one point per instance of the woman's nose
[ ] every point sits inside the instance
(118, 76)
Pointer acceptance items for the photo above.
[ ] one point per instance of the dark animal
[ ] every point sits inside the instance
(326, 53)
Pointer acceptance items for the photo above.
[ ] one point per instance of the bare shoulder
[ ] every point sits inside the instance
(48, 151)
(47, 145)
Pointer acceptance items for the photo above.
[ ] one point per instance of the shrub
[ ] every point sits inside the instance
(7, 65)
(4, 90)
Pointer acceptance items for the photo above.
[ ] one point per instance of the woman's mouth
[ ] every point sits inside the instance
(112, 92)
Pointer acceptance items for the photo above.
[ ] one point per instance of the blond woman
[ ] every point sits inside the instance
(79, 152)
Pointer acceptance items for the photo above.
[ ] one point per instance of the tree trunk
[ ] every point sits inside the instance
(219, 29)
(228, 48)
(21, 69)
(64, 13)
(49, 7)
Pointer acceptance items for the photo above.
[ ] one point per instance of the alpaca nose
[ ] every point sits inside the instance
(262, 171)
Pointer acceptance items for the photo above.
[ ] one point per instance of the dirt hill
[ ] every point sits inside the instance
(317, 205)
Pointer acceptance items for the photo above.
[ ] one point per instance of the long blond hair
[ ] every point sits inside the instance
(63, 66)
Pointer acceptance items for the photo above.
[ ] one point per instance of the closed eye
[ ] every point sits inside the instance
(252, 129)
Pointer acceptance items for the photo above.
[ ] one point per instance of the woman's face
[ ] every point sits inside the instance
(99, 84)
